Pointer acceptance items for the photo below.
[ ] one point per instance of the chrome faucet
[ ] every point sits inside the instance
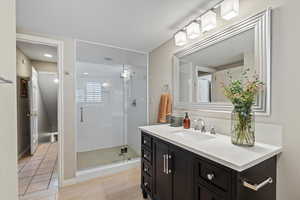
(200, 125)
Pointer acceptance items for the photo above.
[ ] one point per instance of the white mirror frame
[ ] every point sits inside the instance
(261, 24)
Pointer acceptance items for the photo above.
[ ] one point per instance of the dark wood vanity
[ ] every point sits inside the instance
(170, 172)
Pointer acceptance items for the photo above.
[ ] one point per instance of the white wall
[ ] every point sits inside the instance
(8, 103)
(285, 99)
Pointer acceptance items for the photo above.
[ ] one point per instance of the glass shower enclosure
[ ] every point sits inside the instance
(111, 96)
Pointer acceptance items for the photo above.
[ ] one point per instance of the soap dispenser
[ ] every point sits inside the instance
(186, 121)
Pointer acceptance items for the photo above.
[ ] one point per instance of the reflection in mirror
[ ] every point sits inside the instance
(202, 73)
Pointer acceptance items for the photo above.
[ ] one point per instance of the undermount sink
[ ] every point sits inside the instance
(193, 135)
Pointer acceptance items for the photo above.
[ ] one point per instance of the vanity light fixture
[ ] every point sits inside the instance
(193, 30)
(230, 9)
(208, 21)
(180, 38)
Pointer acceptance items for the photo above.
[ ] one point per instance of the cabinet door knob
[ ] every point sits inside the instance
(145, 169)
(146, 184)
(210, 176)
(145, 141)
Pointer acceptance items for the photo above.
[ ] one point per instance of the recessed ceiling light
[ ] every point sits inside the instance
(48, 55)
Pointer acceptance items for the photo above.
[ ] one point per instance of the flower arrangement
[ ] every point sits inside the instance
(242, 94)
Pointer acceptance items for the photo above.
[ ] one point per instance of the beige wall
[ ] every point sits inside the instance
(23, 65)
(42, 66)
(284, 107)
(8, 102)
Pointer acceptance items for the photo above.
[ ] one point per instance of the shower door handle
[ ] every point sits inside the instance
(81, 114)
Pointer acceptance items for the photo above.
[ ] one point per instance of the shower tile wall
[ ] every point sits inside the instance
(111, 103)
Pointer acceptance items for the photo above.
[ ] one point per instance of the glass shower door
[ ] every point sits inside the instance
(111, 103)
(100, 111)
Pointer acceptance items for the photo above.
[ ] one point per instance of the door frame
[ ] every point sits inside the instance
(33, 98)
(60, 105)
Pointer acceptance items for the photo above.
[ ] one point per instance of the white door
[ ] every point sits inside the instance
(33, 92)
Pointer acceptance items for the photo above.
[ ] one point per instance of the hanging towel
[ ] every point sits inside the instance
(165, 108)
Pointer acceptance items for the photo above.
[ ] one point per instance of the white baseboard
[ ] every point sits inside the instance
(23, 152)
(89, 174)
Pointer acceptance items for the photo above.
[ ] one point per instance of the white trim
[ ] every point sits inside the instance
(111, 46)
(147, 95)
(88, 174)
(60, 47)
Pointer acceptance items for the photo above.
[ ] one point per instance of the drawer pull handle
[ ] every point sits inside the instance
(164, 157)
(210, 177)
(169, 171)
(256, 187)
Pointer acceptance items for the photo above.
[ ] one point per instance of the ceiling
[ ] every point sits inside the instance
(226, 52)
(37, 51)
(135, 24)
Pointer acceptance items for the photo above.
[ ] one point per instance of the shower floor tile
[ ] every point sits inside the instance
(96, 158)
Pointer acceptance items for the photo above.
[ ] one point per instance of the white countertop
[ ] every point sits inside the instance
(218, 149)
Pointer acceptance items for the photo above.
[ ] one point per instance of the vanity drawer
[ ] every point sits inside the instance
(213, 174)
(147, 141)
(147, 183)
(202, 193)
(147, 168)
(147, 155)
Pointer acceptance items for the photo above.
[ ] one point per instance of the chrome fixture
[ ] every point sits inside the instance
(166, 158)
(200, 125)
(256, 187)
(212, 131)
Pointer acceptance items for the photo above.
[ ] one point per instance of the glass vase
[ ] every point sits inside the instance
(243, 128)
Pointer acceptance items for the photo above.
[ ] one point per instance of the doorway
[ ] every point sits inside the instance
(39, 99)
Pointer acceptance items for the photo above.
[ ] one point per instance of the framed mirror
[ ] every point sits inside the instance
(199, 70)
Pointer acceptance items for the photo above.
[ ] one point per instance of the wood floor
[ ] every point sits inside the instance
(121, 186)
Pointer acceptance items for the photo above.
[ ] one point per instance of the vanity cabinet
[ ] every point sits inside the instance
(170, 172)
